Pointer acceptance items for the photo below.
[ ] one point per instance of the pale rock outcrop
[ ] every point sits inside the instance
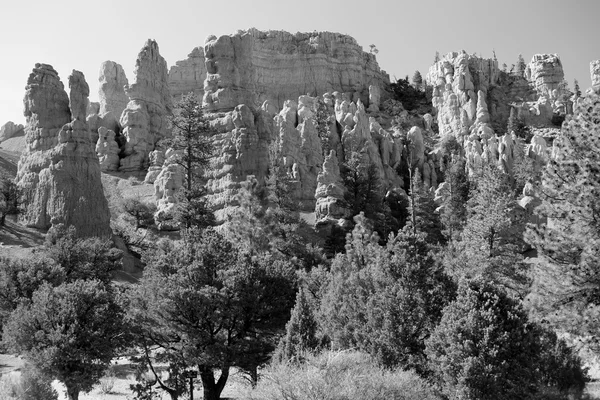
(111, 91)
(157, 160)
(546, 73)
(537, 150)
(457, 78)
(9, 130)
(595, 73)
(144, 120)
(168, 182)
(187, 76)
(59, 171)
(330, 190)
(416, 147)
(107, 150)
(253, 66)
(374, 98)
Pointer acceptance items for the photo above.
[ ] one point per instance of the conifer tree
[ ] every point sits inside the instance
(422, 212)
(417, 80)
(491, 243)
(191, 137)
(520, 66)
(453, 210)
(570, 241)
(576, 88)
(301, 330)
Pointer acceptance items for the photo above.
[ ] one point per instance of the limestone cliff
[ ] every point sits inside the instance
(253, 66)
(144, 120)
(188, 75)
(59, 171)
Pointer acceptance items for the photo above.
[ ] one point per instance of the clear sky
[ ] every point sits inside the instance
(72, 34)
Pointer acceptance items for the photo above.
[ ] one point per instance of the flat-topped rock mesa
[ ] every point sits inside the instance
(59, 171)
(253, 66)
(188, 75)
(144, 120)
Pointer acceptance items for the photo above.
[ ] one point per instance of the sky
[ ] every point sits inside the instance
(80, 34)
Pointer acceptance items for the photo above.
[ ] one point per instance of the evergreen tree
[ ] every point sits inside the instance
(322, 120)
(484, 348)
(568, 285)
(490, 243)
(301, 331)
(70, 332)
(385, 300)
(202, 304)
(516, 125)
(453, 209)
(576, 88)
(520, 66)
(10, 198)
(417, 80)
(437, 57)
(422, 212)
(192, 138)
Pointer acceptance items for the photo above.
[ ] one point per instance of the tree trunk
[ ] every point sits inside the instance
(72, 393)
(211, 389)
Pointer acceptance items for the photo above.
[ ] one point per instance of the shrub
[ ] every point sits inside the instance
(339, 375)
(107, 382)
(31, 385)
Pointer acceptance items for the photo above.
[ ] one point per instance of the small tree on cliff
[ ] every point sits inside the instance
(191, 137)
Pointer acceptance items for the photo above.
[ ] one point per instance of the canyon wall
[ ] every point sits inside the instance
(253, 66)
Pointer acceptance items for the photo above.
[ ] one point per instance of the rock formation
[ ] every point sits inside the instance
(111, 92)
(107, 150)
(595, 73)
(330, 190)
(253, 66)
(59, 171)
(545, 72)
(188, 75)
(144, 120)
(10, 129)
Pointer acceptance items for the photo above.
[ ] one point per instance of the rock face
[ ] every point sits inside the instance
(10, 129)
(546, 73)
(107, 150)
(144, 120)
(253, 66)
(111, 92)
(188, 75)
(59, 171)
(457, 80)
(595, 73)
(330, 191)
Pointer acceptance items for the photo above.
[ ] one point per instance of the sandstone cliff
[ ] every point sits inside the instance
(595, 73)
(111, 92)
(188, 75)
(59, 171)
(253, 66)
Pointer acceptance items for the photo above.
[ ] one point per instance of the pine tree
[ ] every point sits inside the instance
(422, 212)
(191, 137)
(417, 80)
(570, 241)
(490, 243)
(301, 331)
(520, 66)
(576, 88)
(437, 57)
(453, 209)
